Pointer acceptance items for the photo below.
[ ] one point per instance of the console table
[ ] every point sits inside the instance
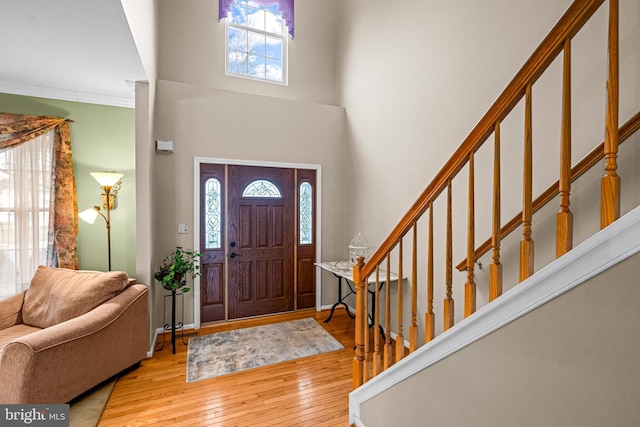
(344, 270)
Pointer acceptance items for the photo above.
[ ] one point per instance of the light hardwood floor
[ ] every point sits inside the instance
(306, 392)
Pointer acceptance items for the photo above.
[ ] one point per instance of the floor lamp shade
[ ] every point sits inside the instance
(106, 179)
(89, 215)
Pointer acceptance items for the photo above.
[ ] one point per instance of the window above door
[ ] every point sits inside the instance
(256, 42)
(262, 188)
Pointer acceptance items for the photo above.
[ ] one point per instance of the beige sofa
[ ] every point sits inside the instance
(68, 332)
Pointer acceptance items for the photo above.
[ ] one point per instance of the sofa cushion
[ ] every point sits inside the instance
(56, 295)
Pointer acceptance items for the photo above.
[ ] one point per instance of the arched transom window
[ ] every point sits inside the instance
(261, 188)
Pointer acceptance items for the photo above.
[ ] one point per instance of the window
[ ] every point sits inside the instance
(306, 214)
(212, 214)
(261, 188)
(256, 42)
(25, 187)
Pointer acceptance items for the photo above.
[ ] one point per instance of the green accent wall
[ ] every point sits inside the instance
(102, 139)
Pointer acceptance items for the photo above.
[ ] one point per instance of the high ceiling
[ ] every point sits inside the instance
(80, 50)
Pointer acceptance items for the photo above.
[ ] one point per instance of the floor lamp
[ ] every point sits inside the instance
(110, 183)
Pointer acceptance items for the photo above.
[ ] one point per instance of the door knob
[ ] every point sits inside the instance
(233, 255)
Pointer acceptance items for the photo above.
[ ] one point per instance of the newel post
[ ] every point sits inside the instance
(358, 360)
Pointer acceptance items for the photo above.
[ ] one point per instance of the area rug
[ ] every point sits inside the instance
(86, 409)
(222, 353)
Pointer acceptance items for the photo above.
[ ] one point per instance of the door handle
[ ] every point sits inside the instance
(233, 255)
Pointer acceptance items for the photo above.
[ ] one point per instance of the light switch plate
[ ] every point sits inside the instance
(183, 229)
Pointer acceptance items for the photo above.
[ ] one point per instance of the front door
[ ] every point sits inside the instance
(257, 240)
(261, 240)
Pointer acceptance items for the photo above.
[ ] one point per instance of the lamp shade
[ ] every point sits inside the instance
(89, 215)
(107, 179)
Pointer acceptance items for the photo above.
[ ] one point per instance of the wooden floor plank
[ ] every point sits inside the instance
(312, 391)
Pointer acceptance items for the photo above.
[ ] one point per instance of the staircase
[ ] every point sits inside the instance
(382, 355)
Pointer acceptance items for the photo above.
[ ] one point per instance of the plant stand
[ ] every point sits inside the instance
(173, 325)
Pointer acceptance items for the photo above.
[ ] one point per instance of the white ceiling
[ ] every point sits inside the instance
(79, 50)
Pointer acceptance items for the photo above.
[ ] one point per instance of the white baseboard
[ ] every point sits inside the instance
(163, 330)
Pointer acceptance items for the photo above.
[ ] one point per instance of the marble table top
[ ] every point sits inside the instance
(345, 269)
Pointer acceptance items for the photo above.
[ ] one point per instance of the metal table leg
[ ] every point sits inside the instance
(340, 300)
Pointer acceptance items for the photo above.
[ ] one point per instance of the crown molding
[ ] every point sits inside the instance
(67, 95)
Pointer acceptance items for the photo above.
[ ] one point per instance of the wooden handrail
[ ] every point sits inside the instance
(590, 160)
(570, 23)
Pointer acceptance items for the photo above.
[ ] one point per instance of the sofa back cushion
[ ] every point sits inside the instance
(56, 295)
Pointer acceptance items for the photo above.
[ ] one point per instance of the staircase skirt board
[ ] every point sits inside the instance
(601, 251)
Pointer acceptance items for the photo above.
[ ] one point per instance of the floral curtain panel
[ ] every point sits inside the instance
(17, 129)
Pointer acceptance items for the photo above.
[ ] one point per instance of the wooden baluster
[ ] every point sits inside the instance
(448, 301)
(526, 244)
(495, 270)
(388, 350)
(366, 363)
(610, 184)
(400, 336)
(358, 360)
(413, 332)
(429, 317)
(564, 218)
(470, 286)
(377, 357)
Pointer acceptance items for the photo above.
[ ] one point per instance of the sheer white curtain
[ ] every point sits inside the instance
(25, 194)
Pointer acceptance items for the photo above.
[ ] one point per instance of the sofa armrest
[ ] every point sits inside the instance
(56, 364)
(11, 310)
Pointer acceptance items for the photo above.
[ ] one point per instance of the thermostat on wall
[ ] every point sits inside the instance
(166, 146)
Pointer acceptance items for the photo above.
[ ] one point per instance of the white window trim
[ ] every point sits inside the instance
(285, 53)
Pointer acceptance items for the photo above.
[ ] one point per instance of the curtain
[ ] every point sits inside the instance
(25, 192)
(38, 193)
(284, 6)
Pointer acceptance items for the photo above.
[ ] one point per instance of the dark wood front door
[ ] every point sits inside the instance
(260, 239)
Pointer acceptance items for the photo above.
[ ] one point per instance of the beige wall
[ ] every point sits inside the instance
(415, 78)
(571, 362)
(145, 98)
(205, 113)
(212, 123)
(192, 49)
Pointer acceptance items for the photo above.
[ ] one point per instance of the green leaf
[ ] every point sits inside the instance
(172, 274)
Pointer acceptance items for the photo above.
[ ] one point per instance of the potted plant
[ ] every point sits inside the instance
(172, 274)
(175, 269)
